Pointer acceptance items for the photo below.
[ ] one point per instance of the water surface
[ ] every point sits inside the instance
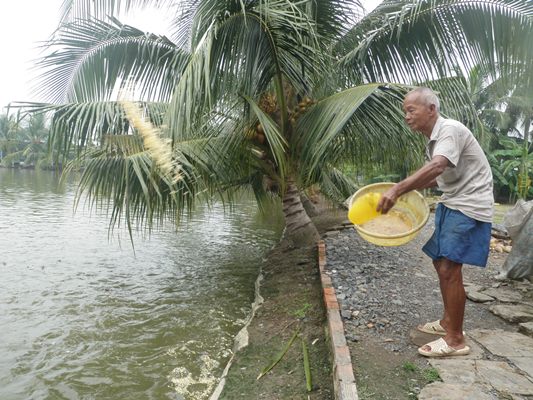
(83, 317)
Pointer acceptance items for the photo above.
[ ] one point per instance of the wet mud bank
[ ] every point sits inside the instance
(292, 305)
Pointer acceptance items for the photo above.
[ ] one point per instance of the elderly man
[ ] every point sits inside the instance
(458, 166)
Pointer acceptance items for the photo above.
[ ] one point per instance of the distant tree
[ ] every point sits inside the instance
(10, 129)
(34, 147)
(504, 111)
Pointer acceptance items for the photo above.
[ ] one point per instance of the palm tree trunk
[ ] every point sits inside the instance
(299, 227)
(309, 207)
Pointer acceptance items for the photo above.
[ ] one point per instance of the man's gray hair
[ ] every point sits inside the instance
(426, 96)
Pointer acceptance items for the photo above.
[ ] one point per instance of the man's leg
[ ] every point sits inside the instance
(444, 321)
(445, 316)
(454, 299)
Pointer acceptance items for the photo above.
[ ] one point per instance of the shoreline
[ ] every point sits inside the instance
(293, 305)
(241, 338)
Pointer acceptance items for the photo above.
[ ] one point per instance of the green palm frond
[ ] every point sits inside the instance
(92, 59)
(76, 9)
(142, 193)
(406, 41)
(135, 190)
(359, 124)
(13, 157)
(335, 185)
(124, 172)
(123, 145)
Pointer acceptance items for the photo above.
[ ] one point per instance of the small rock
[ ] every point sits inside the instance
(513, 313)
(479, 297)
(352, 337)
(504, 295)
(473, 288)
(346, 314)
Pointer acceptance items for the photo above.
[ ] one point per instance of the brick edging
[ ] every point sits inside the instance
(343, 377)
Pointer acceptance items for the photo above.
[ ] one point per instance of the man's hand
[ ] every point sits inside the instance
(388, 200)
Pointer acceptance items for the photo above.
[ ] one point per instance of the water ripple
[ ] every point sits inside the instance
(85, 318)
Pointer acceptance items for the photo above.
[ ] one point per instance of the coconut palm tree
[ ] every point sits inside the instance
(33, 138)
(10, 129)
(272, 95)
(504, 110)
(513, 161)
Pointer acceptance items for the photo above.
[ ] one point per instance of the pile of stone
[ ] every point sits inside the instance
(500, 245)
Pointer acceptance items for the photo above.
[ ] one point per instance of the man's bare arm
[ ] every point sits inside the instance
(430, 185)
(421, 179)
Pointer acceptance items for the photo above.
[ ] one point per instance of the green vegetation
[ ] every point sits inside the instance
(431, 375)
(408, 376)
(408, 366)
(272, 96)
(23, 141)
(417, 378)
(280, 355)
(305, 356)
(301, 312)
(504, 110)
(499, 212)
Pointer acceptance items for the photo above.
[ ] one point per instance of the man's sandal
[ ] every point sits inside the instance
(433, 328)
(439, 348)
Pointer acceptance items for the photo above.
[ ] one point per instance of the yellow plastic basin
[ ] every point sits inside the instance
(411, 208)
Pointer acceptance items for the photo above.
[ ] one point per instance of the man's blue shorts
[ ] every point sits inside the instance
(459, 238)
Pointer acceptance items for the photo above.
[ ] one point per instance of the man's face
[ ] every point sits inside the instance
(418, 115)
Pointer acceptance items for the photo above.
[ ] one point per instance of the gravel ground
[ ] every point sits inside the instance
(384, 292)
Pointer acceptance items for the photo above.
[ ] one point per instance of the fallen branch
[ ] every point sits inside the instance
(307, 368)
(280, 355)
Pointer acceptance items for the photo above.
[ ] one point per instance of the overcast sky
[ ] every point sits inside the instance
(25, 24)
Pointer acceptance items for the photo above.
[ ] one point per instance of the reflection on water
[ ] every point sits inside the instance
(82, 317)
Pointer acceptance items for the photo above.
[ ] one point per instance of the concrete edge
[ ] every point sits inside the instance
(343, 377)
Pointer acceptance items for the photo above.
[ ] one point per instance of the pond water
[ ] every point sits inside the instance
(84, 317)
